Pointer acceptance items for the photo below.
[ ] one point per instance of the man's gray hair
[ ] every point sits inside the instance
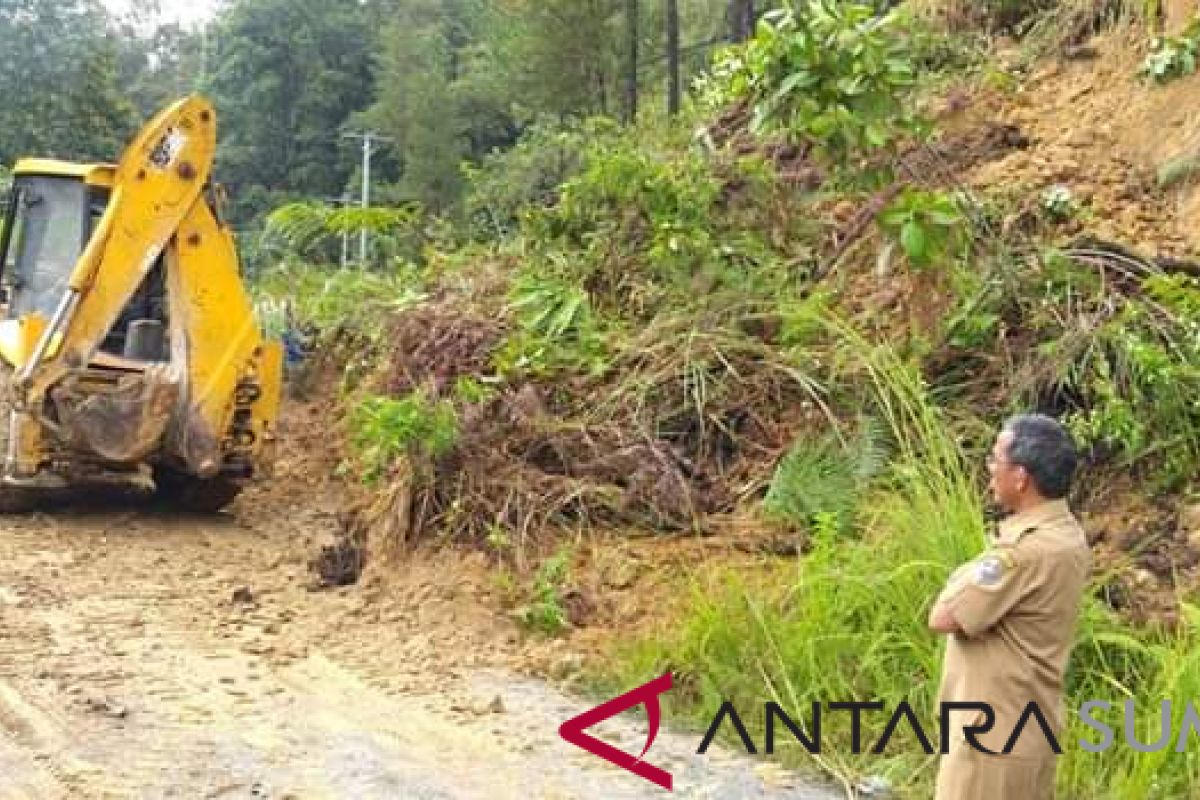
(1043, 447)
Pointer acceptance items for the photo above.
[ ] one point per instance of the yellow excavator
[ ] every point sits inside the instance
(129, 351)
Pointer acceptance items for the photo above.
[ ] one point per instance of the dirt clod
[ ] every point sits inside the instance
(105, 706)
(339, 564)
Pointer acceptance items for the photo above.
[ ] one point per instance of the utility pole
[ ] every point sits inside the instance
(631, 76)
(345, 200)
(368, 140)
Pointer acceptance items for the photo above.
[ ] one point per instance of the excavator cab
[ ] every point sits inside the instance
(128, 345)
(52, 211)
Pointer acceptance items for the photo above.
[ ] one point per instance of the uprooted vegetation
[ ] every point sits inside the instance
(812, 306)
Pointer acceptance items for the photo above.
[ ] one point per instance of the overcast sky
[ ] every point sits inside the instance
(184, 11)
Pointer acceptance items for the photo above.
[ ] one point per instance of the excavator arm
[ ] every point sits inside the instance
(160, 177)
(232, 374)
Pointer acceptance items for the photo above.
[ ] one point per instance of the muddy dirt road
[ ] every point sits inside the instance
(147, 655)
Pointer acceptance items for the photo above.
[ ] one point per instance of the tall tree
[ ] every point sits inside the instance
(285, 74)
(741, 19)
(160, 66)
(63, 97)
(565, 56)
(438, 95)
(632, 10)
(674, 89)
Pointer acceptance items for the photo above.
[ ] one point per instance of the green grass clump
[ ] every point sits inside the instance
(545, 613)
(1114, 662)
(1178, 171)
(847, 622)
(1173, 57)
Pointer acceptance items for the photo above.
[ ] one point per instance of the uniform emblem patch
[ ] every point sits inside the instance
(990, 571)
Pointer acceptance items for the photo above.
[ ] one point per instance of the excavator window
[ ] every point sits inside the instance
(49, 234)
(10, 234)
(48, 224)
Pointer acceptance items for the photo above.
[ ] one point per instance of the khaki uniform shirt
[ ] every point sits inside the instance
(1017, 605)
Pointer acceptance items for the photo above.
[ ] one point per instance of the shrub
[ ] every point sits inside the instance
(557, 329)
(928, 225)
(833, 73)
(383, 429)
(1173, 56)
(530, 174)
(295, 296)
(545, 612)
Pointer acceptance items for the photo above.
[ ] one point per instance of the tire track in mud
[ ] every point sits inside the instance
(152, 656)
(28, 769)
(34, 757)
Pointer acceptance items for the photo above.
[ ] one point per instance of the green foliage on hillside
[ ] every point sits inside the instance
(773, 307)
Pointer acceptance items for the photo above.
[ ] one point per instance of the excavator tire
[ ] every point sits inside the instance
(16, 500)
(190, 493)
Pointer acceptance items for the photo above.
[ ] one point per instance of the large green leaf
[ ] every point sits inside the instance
(915, 242)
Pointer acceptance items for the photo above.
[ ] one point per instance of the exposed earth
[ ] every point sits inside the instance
(144, 654)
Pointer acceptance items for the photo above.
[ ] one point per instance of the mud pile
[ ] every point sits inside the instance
(1095, 127)
(637, 446)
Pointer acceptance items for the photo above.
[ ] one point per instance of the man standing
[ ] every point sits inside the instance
(1010, 616)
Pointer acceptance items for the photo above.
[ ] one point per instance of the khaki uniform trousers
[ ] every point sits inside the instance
(967, 774)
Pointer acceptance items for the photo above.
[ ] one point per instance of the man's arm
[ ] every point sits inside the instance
(942, 620)
(981, 593)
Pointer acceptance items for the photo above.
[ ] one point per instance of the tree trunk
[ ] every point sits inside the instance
(674, 90)
(741, 20)
(631, 76)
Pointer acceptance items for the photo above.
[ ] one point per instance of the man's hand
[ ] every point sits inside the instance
(942, 620)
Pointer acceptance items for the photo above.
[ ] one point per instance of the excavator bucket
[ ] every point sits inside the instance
(122, 424)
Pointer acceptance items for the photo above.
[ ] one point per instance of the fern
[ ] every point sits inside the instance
(313, 232)
(823, 478)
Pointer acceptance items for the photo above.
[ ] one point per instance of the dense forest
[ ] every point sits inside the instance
(439, 83)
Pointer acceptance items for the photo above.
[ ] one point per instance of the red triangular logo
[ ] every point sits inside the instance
(573, 730)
